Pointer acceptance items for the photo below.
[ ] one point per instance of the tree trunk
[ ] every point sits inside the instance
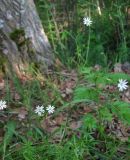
(22, 38)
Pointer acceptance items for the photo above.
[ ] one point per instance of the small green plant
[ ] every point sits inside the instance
(18, 36)
(103, 112)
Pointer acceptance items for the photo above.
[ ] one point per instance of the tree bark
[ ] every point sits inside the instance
(22, 37)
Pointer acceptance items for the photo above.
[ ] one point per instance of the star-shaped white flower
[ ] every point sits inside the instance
(87, 21)
(39, 110)
(122, 85)
(2, 104)
(50, 109)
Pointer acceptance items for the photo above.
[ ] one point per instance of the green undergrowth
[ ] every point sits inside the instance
(105, 42)
(94, 139)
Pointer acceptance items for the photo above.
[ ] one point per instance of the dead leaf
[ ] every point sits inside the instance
(75, 125)
(126, 96)
(126, 67)
(58, 63)
(102, 97)
(22, 113)
(87, 109)
(118, 68)
(68, 91)
(63, 95)
(48, 125)
(16, 96)
(97, 67)
(59, 119)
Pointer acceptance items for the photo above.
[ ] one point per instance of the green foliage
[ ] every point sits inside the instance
(17, 34)
(82, 93)
(101, 77)
(10, 131)
(105, 42)
(122, 110)
(28, 151)
(114, 77)
(105, 114)
(91, 140)
(89, 122)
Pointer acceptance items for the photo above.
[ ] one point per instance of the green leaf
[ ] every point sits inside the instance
(89, 122)
(85, 70)
(114, 77)
(105, 114)
(122, 110)
(98, 77)
(82, 93)
(10, 130)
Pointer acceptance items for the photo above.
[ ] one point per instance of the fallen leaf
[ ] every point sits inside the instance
(16, 96)
(126, 67)
(22, 113)
(75, 125)
(97, 67)
(59, 119)
(118, 68)
(58, 63)
(68, 91)
(48, 125)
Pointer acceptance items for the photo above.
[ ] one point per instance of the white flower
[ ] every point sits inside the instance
(122, 85)
(2, 104)
(50, 109)
(39, 110)
(87, 21)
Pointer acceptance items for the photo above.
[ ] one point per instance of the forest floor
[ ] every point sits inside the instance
(86, 101)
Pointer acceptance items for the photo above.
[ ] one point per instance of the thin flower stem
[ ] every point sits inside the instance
(88, 44)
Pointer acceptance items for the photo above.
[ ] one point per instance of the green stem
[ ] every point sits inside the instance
(88, 44)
